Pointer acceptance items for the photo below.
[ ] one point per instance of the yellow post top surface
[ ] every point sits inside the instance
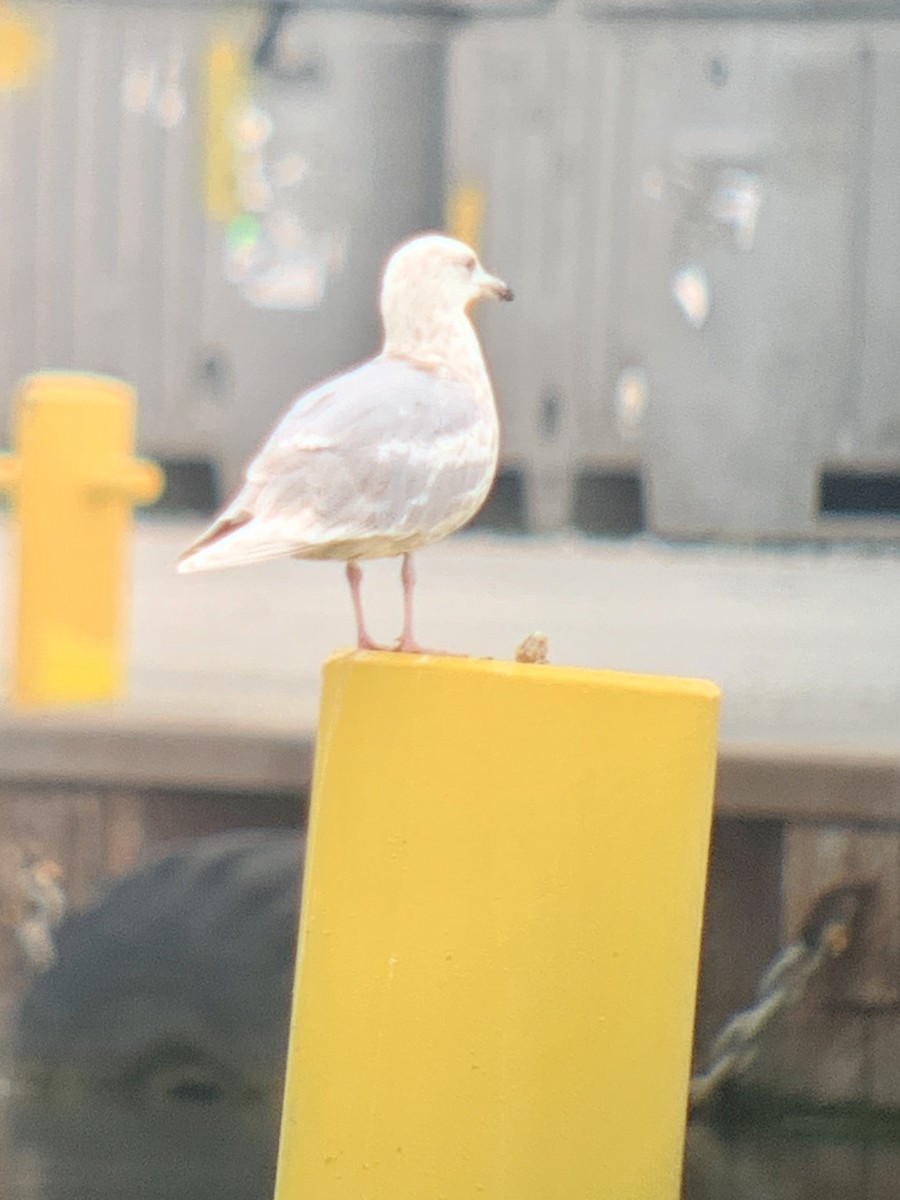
(73, 387)
(387, 663)
(500, 932)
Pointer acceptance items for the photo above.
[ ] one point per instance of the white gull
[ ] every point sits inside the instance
(388, 457)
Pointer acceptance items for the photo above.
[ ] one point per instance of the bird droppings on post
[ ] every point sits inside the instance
(391, 456)
(534, 649)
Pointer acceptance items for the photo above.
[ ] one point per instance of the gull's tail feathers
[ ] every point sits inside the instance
(235, 540)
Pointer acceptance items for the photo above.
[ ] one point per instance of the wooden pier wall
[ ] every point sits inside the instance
(96, 797)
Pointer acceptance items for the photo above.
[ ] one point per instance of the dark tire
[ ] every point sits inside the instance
(175, 987)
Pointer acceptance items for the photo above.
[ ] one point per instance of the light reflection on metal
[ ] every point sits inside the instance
(290, 170)
(690, 291)
(735, 203)
(149, 88)
(242, 247)
(255, 190)
(652, 183)
(289, 284)
(272, 252)
(252, 129)
(286, 231)
(630, 402)
(139, 88)
(171, 105)
(277, 264)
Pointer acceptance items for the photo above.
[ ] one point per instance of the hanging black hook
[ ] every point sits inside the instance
(275, 14)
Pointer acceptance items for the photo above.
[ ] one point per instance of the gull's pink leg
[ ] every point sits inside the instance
(354, 578)
(407, 642)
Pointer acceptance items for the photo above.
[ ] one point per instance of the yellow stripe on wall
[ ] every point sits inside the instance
(225, 77)
(465, 215)
(22, 50)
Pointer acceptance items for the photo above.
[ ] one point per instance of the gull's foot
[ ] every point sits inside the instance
(407, 645)
(366, 643)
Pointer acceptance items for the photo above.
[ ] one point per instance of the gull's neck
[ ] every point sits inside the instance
(447, 345)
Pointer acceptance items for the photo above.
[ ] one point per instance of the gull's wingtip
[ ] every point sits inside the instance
(191, 560)
(197, 557)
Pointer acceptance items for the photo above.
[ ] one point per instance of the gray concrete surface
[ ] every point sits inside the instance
(803, 641)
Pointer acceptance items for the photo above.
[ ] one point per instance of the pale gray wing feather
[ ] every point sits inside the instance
(385, 449)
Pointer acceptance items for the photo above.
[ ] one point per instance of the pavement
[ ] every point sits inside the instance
(802, 640)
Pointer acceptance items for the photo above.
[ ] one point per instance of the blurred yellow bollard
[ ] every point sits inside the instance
(73, 482)
(500, 933)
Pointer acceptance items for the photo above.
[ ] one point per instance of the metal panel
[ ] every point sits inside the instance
(20, 115)
(517, 140)
(743, 189)
(109, 261)
(611, 375)
(871, 431)
(278, 10)
(805, 10)
(360, 129)
(160, 226)
(102, 227)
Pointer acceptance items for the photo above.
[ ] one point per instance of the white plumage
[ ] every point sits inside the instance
(392, 455)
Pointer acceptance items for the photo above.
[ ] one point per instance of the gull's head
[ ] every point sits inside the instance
(434, 274)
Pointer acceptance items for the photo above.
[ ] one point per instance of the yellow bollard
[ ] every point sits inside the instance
(73, 482)
(500, 933)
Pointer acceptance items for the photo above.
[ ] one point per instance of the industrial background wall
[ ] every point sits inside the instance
(700, 218)
(219, 266)
(744, 185)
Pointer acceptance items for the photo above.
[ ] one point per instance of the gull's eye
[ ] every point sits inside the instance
(470, 264)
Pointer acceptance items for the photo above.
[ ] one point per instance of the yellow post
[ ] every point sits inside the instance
(73, 482)
(500, 933)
